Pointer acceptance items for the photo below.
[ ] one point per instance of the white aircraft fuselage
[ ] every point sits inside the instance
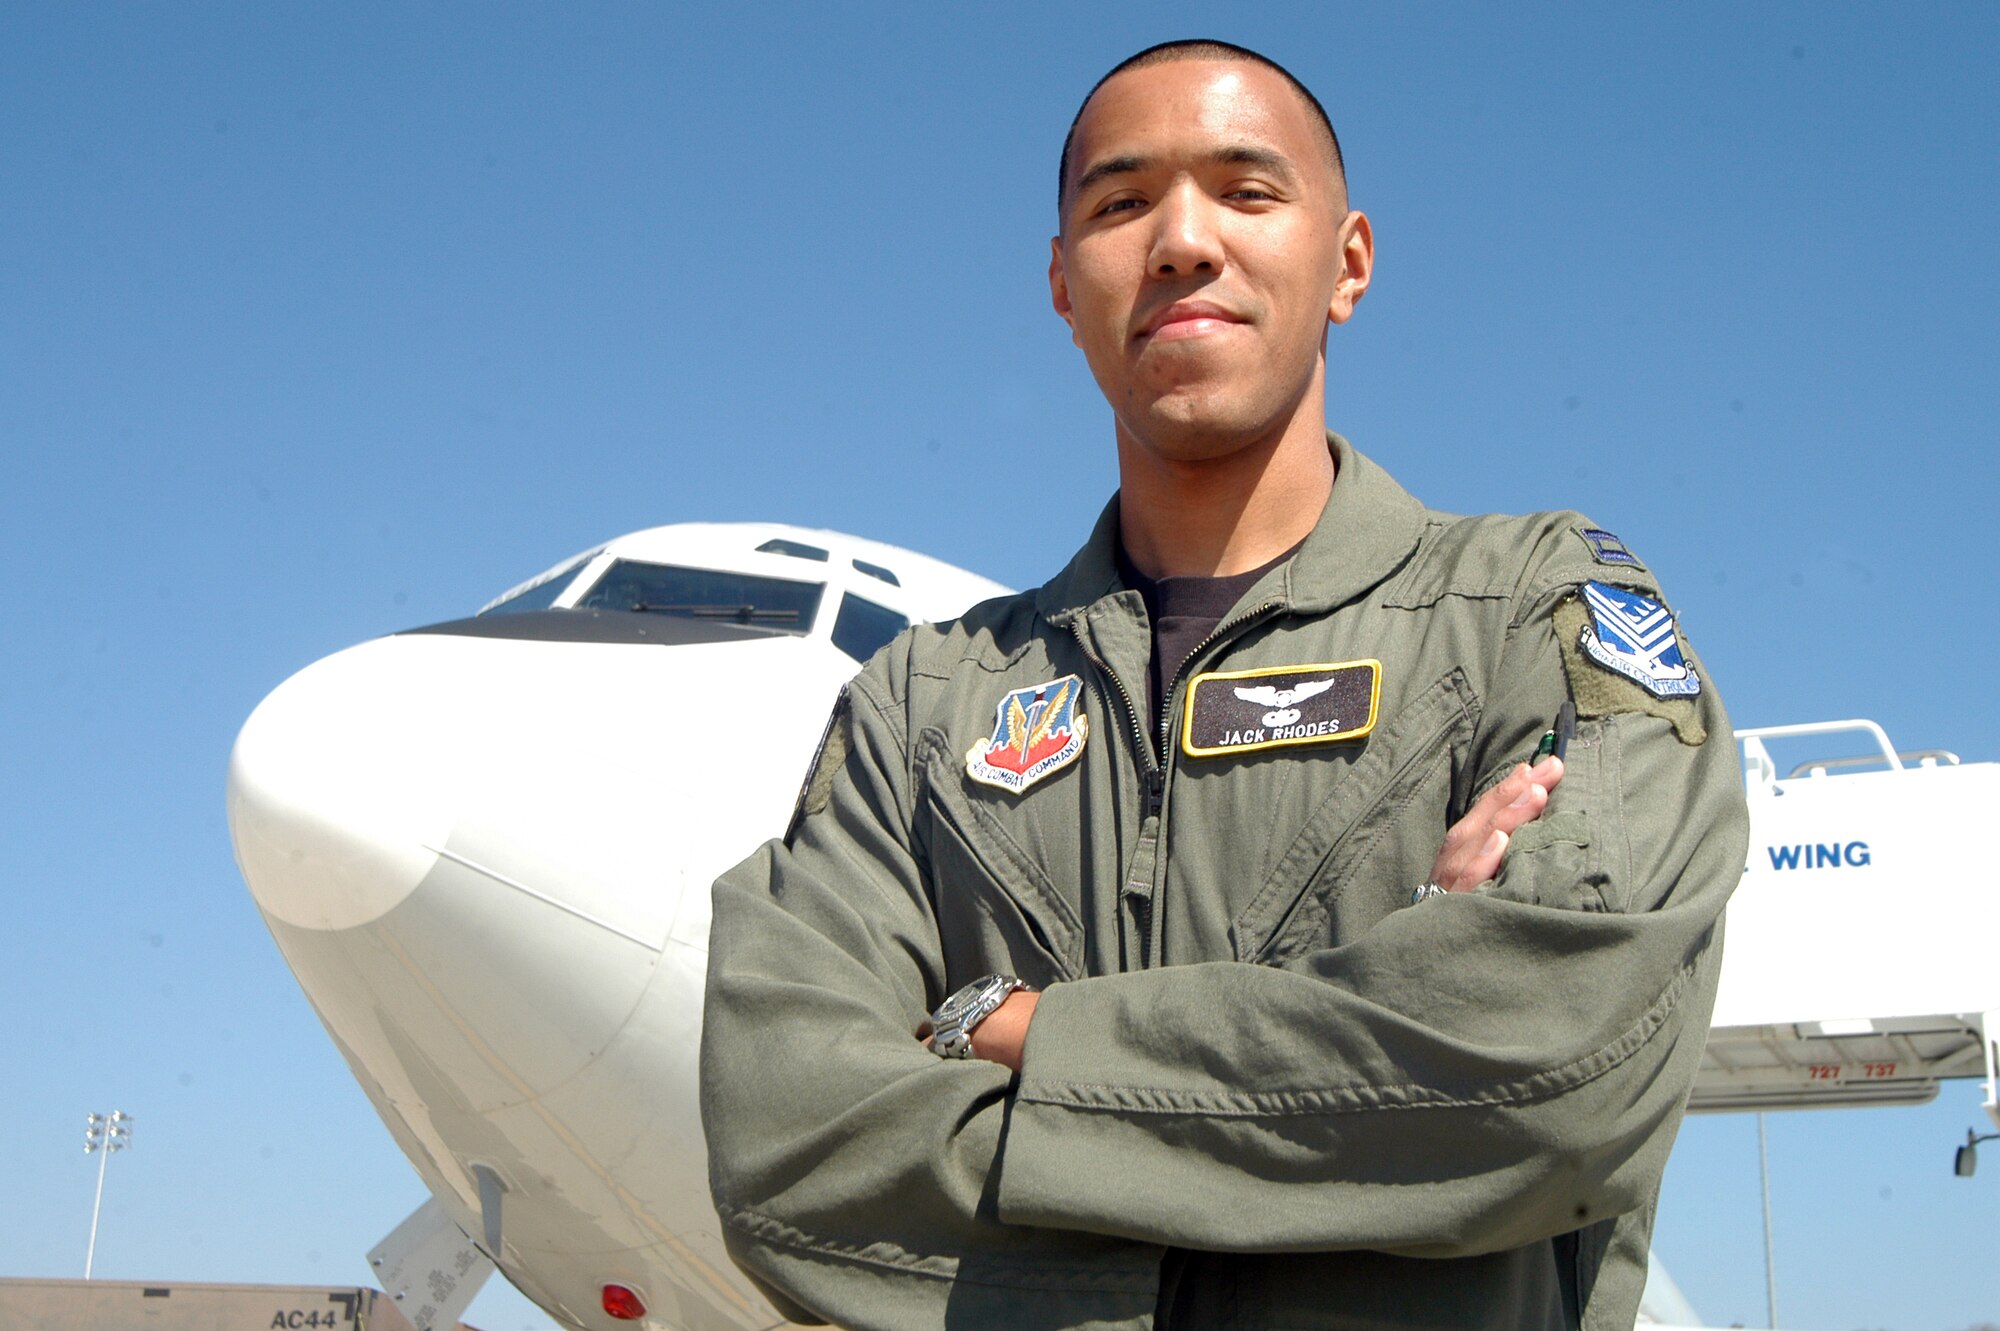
(485, 849)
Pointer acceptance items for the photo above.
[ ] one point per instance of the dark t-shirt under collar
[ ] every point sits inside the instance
(1182, 612)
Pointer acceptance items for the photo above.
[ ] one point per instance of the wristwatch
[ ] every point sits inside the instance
(953, 1022)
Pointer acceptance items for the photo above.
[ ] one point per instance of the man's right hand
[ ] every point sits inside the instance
(1475, 844)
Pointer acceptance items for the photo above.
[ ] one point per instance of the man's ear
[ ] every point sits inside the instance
(1357, 265)
(1059, 285)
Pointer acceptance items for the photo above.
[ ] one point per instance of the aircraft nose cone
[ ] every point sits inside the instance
(336, 791)
(471, 897)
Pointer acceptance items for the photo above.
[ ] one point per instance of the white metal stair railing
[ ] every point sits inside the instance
(1760, 771)
(1867, 761)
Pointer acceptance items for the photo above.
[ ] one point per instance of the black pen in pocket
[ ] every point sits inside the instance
(1556, 741)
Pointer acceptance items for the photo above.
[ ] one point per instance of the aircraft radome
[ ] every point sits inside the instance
(485, 849)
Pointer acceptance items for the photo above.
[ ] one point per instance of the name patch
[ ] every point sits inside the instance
(1239, 711)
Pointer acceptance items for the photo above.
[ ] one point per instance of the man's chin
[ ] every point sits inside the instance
(1201, 425)
(1192, 434)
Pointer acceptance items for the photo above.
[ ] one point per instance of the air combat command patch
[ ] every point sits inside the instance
(1036, 731)
(1238, 711)
(1633, 635)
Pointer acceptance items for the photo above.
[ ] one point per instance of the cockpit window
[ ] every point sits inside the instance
(778, 545)
(539, 595)
(864, 628)
(877, 571)
(706, 593)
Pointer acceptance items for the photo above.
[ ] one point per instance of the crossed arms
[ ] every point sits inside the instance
(1512, 1069)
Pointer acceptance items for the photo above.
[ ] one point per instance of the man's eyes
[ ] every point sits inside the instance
(1235, 194)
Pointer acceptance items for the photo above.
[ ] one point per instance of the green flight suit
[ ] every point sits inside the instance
(1256, 1066)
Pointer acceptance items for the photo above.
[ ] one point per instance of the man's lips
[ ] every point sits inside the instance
(1188, 318)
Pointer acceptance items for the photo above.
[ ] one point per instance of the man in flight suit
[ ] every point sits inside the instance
(1301, 988)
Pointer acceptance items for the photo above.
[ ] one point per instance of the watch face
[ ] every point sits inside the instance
(975, 998)
(964, 1001)
(952, 1023)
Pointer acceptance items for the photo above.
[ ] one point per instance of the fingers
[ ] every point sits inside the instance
(1474, 861)
(1483, 864)
(1476, 843)
(1530, 798)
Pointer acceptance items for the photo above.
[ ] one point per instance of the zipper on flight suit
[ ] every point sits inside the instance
(1215, 635)
(1155, 866)
(1142, 878)
(1135, 897)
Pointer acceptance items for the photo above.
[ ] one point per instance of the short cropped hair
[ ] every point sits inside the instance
(1200, 48)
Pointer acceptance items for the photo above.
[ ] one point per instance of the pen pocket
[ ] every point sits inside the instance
(1553, 861)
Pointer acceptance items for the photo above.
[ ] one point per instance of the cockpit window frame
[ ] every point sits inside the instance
(806, 612)
(563, 576)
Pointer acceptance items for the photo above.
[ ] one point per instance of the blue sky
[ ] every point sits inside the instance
(317, 323)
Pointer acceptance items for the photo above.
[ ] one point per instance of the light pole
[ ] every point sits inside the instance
(103, 1133)
(1770, 1249)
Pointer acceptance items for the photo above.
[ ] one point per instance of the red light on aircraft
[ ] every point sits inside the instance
(623, 1303)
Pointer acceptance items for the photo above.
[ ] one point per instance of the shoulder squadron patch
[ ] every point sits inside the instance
(1037, 731)
(1238, 711)
(1633, 635)
(1599, 691)
(1606, 548)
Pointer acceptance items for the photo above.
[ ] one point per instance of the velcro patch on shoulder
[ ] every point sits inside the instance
(1604, 690)
(827, 760)
(1240, 711)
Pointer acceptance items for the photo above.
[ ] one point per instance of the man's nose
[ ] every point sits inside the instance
(1186, 238)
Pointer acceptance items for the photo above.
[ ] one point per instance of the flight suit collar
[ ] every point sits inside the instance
(1090, 576)
(1368, 529)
